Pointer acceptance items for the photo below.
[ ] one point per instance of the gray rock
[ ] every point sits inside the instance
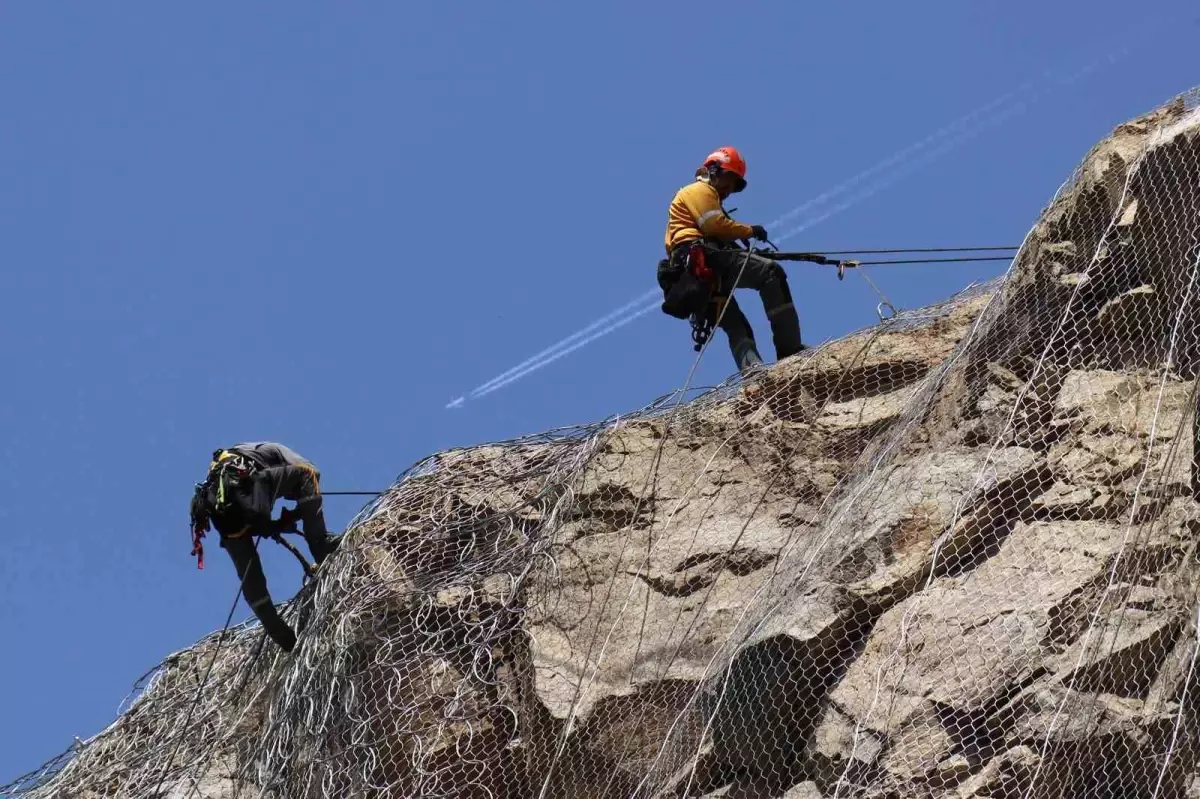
(933, 513)
(1007, 775)
(935, 665)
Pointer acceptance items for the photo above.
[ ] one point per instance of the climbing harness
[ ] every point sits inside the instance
(692, 290)
(704, 318)
(704, 322)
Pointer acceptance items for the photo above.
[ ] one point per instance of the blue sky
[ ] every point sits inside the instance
(320, 223)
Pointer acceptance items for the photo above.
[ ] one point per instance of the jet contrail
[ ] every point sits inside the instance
(898, 156)
(619, 317)
(930, 156)
(503, 377)
(895, 176)
(1047, 83)
(947, 138)
(654, 306)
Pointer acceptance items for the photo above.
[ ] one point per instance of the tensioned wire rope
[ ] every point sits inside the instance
(183, 729)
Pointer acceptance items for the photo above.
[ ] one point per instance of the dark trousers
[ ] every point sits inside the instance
(298, 483)
(254, 589)
(770, 281)
(758, 273)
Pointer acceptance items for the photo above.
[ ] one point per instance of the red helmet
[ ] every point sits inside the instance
(730, 160)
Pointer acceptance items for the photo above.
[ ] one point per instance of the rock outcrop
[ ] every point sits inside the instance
(953, 555)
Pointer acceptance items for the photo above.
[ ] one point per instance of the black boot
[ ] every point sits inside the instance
(322, 546)
(781, 313)
(277, 628)
(785, 331)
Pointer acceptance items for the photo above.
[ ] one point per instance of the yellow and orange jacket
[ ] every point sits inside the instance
(696, 212)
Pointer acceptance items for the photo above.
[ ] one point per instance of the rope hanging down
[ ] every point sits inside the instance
(195, 702)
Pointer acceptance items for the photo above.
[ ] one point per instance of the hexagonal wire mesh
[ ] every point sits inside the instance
(951, 555)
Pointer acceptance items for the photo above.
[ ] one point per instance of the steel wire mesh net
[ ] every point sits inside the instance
(952, 555)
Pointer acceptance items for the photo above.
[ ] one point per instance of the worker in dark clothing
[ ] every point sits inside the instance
(238, 496)
(703, 262)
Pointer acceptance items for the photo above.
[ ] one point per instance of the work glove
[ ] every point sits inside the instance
(759, 232)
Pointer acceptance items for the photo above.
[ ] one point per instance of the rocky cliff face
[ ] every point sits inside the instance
(952, 555)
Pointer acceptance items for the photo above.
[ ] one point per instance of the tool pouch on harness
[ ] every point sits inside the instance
(686, 281)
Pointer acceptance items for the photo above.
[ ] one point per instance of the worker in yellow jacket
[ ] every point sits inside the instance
(703, 262)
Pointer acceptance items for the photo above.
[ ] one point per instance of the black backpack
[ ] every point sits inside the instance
(220, 498)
